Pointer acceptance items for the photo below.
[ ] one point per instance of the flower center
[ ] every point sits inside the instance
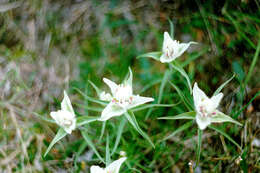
(206, 108)
(123, 95)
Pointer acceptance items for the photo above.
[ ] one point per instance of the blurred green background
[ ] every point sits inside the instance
(47, 46)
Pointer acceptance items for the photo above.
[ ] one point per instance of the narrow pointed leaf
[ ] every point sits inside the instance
(183, 73)
(153, 105)
(187, 115)
(82, 120)
(131, 118)
(98, 91)
(60, 134)
(91, 145)
(108, 159)
(164, 81)
(153, 55)
(180, 129)
(171, 28)
(183, 98)
(90, 98)
(44, 118)
(221, 117)
(102, 130)
(223, 85)
(199, 147)
(119, 134)
(225, 135)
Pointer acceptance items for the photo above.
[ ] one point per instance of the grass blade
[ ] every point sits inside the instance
(102, 130)
(223, 85)
(90, 144)
(60, 134)
(153, 105)
(90, 98)
(183, 98)
(187, 115)
(224, 134)
(153, 55)
(199, 147)
(183, 73)
(252, 66)
(119, 134)
(108, 159)
(180, 129)
(131, 118)
(82, 120)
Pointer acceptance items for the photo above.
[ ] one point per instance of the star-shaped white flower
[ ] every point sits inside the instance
(112, 168)
(122, 98)
(206, 108)
(172, 49)
(66, 116)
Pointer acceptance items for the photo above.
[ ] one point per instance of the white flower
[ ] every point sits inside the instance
(122, 99)
(105, 96)
(172, 49)
(206, 108)
(66, 116)
(112, 168)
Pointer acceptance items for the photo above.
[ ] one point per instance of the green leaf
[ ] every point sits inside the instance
(221, 117)
(223, 85)
(183, 98)
(171, 29)
(90, 144)
(82, 120)
(164, 81)
(187, 115)
(199, 147)
(90, 98)
(44, 118)
(102, 130)
(225, 135)
(177, 67)
(178, 130)
(153, 55)
(119, 134)
(153, 105)
(60, 134)
(108, 159)
(131, 118)
(98, 91)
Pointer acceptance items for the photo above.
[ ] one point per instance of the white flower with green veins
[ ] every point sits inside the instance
(112, 168)
(172, 49)
(122, 98)
(65, 117)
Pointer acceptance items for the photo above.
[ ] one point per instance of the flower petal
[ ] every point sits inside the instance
(96, 169)
(112, 85)
(111, 110)
(139, 100)
(198, 95)
(167, 41)
(202, 122)
(182, 47)
(216, 99)
(115, 166)
(66, 104)
(105, 96)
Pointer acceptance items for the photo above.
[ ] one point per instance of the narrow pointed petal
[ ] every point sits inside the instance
(183, 47)
(56, 117)
(115, 166)
(139, 100)
(96, 169)
(198, 95)
(202, 122)
(112, 85)
(216, 99)
(66, 104)
(111, 110)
